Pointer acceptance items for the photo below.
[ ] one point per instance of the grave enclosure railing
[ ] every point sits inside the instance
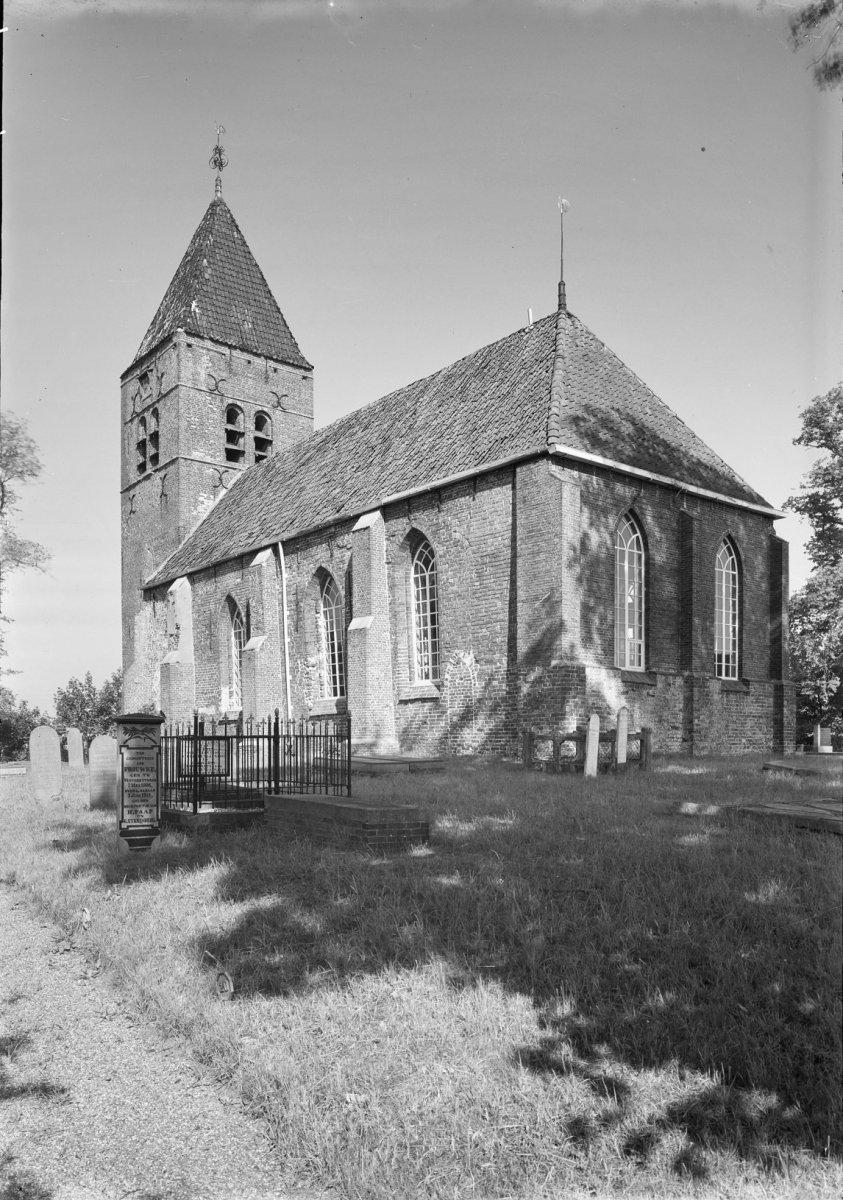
(559, 752)
(232, 764)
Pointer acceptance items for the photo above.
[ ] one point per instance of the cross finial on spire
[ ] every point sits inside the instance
(563, 206)
(218, 161)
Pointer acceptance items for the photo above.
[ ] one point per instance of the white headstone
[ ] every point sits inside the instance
(45, 758)
(75, 753)
(592, 742)
(822, 739)
(102, 767)
(622, 736)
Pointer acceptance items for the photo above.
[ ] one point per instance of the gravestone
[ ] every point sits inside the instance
(592, 744)
(102, 766)
(822, 740)
(45, 757)
(75, 753)
(138, 781)
(622, 737)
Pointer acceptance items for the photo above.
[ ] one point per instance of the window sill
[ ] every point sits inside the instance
(419, 691)
(638, 678)
(327, 706)
(734, 685)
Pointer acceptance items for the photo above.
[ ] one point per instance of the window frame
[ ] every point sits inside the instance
(727, 612)
(425, 616)
(237, 625)
(234, 435)
(330, 630)
(264, 435)
(630, 567)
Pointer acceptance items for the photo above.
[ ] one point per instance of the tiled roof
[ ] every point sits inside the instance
(219, 292)
(495, 403)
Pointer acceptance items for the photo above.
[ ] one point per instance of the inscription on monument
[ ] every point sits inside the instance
(139, 780)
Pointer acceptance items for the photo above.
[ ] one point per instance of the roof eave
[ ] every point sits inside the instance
(586, 456)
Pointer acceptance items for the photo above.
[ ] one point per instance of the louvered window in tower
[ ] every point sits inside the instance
(153, 439)
(726, 589)
(263, 436)
(141, 446)
(629, 596)
(425, 615)
(235, 435)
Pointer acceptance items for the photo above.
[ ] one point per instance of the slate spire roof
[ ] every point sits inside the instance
(219, 292)
(551, 384)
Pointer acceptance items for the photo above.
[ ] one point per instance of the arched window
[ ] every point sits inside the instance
(153, 438)
(726, 597)
(141, 446)
(235, 436)
(330, 624)
(629, 596)
(263, 436)
(236, 645)
(425, 614)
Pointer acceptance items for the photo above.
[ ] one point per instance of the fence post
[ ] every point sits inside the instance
(195, 760)
(348, 754)
(621, 739)
(276, 756)
(592, 746)
(646, 748)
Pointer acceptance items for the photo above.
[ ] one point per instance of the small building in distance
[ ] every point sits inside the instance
(523, 537)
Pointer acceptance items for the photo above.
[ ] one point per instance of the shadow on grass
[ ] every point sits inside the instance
(640, 951)
(10, 1046)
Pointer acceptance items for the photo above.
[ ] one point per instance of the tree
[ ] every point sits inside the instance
(90, 709)
(19, 464)
(17, 721)
(820, 25)
(816, 612)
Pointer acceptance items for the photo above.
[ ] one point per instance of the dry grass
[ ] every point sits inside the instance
(571, 991)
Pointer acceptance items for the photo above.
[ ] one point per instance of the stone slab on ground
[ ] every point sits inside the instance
(807, 764)
(370, 764)
(97, 1106)
(822, 813)
(371, 823)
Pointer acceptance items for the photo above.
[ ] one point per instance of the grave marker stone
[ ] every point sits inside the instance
(138, 780)
(102, 766)
(592, 743)
(822, 740)
(622, 737)
(75, 753)
(45, 757)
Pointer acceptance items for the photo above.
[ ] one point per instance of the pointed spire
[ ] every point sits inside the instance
(219, 162)
(563, 206)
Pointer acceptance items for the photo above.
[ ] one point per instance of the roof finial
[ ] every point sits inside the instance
(219, 162)
(563, 206)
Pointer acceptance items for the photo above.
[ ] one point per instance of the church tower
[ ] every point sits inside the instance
(217, 385)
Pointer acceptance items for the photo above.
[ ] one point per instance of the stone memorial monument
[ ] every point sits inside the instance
(102, 767)
(592, 746)
(75, 753)
(138, 780)
(622, 738)
(45, 757)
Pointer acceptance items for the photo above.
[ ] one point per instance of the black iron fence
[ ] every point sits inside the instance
(232, 764)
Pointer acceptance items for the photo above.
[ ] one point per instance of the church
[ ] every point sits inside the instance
(524, 537)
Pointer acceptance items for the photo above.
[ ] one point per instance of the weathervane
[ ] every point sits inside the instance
(218, 161)
(563, 207)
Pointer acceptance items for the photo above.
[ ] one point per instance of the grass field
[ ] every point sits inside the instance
(568, 992)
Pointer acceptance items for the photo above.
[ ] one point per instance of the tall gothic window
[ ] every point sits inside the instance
(331, 620)
(726, 612)
(263, 436)
(629, 596)
(425, 614)
(236, 646)
(235, 435)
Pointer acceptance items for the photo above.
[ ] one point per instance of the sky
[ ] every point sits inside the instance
(395, 168)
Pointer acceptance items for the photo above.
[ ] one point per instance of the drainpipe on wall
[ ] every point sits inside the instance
(286, 635)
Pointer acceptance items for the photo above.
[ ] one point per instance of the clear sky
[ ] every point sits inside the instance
(395, 168)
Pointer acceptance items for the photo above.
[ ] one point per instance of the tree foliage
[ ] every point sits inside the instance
(17, 720)
(90, 709)
(816, 612)
(19, 464)
(819, 26)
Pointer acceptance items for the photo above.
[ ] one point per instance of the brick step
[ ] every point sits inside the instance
(347, 821)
